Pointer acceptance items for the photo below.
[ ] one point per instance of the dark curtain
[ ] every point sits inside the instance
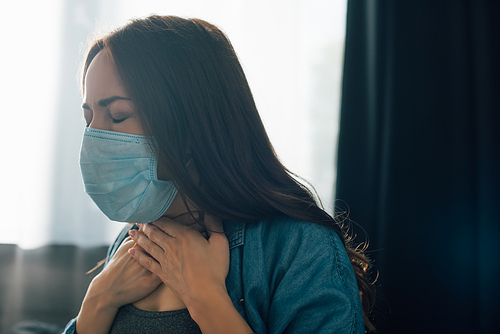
(419, 159)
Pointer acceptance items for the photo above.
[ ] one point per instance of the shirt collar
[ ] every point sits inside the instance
(235, 233)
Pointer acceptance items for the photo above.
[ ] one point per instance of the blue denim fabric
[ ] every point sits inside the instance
(289, 276)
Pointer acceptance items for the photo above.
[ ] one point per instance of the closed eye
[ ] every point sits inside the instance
(116, 121)
(118, 116)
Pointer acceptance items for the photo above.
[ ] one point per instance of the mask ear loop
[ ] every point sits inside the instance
(189, 161)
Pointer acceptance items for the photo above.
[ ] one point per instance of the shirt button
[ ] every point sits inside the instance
(241, 302)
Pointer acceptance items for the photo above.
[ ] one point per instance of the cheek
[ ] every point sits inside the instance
(161, 173)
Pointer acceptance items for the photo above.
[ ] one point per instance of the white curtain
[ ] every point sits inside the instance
(291, 52)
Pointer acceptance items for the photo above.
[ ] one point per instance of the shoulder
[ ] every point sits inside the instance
(291, 246)
(291, 227)
(287, 235)
(310, 281)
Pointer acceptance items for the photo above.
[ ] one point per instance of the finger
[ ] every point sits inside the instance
(146, 261)
(215, 229)
(148, 245)
(137, 246)
(157, 235)
(123, 248)
(168, 226)
(127, 241)
(213, 225)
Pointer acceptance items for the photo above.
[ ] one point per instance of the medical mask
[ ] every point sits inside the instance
(119, 174)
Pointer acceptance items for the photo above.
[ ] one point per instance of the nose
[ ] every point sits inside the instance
(100, 122)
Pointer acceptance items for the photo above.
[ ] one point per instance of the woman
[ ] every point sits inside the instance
(174, 139)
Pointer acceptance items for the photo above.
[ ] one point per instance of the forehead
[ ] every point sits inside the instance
(102, 79)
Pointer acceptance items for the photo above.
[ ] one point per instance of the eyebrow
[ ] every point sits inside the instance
(106, 102)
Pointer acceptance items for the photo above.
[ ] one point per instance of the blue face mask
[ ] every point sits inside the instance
(119, 174)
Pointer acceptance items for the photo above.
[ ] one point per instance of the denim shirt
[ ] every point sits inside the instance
(288, 276)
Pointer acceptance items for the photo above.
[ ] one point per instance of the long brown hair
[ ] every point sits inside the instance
(194, 99)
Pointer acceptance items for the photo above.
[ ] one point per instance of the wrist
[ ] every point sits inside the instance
(96, 315)
(103, 302)
(99, 297)
(202, 302)
(215, 313)
(97, 312)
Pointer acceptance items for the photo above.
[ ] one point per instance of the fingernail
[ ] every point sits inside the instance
(131, 251)
(132, 233)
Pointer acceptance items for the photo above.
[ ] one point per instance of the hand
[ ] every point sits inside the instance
(190, 265)
(194, 268)
(123, 280)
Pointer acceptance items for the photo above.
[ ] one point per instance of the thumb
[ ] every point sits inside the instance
(213, 225)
